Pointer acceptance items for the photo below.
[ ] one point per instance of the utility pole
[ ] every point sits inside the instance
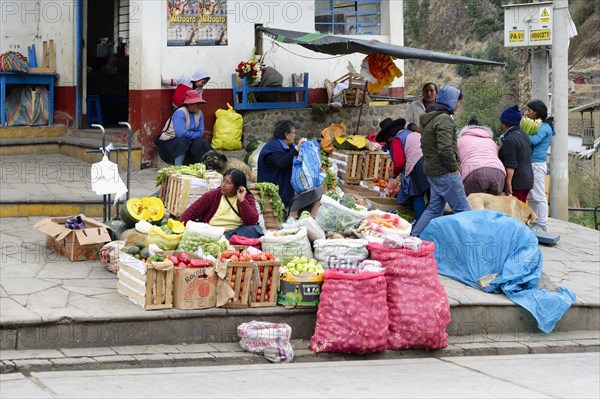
(539, 73)
(559, 161)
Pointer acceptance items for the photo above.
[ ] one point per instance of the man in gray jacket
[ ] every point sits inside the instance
(438, 142)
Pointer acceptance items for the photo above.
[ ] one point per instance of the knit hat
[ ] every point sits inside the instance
(389, 127)
(511, 116)
(193, 97)
(448, 96)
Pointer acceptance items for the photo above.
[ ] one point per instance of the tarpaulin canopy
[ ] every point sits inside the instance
(337, 45)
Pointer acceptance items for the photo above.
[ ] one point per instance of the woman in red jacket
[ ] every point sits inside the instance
(231, 206)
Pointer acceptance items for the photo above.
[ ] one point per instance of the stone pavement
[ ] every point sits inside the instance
(218, 354)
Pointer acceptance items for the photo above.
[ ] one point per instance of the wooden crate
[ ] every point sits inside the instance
(48, 64)
(359, 190)
(354, 95)
(153, 290)
(179, 191)
(376, 166)
(350, 165)
(267, 270)
(241, 285)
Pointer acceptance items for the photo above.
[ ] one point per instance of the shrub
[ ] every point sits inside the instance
(483, 101)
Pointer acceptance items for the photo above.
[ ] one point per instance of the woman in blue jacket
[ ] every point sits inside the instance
(540, 142)
(275, 166)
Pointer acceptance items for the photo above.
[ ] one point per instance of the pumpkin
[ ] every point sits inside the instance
(150, 209)
(350, 143)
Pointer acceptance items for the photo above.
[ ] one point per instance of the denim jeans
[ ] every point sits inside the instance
(446, 188)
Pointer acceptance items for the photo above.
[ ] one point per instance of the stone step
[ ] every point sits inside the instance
(14, 132)
(182, 354)
(74, 147)
(114, 135)
(59, 185)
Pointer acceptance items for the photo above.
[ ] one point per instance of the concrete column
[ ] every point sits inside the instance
(559, 163)
(539, 75)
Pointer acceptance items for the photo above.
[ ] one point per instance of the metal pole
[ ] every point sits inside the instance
(105, 199)
(128, 156)
(559, 159)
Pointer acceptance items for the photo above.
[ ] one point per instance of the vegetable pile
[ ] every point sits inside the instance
(197, 170)
(191, 241)
(182, 260)
(271, 191)
(246, 256)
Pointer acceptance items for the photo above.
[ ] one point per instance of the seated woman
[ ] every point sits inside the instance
(231, 206)
(181, 141)
(275, 166)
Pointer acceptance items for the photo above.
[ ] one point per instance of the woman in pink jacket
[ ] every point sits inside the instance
(480, 168)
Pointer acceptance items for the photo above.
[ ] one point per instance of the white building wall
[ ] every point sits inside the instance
(23, 23)
(152, 58)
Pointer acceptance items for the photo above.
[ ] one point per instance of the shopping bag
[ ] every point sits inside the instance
(306, 169)
(106, 180)
(227, 132)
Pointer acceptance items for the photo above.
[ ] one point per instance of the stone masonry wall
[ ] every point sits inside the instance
(259, 124)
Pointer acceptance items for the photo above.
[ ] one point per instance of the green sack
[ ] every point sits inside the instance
(227, 132)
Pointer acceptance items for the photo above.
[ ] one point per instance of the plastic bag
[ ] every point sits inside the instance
(227, 132)
(418, 306)
(314, 231)
(306, 169)
(340, 253)
(253, 158)
(271, 340)
(330, 133)
(352, 315)
(286, 244)
(167, 242)
(333, 216)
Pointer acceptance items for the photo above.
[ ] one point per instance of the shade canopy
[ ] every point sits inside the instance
(339, 45)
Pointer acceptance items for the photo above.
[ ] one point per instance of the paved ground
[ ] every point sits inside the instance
(520, 376)
(40, 286)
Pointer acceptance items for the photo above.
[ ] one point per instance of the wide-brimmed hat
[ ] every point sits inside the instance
(389, 127)
(193, 97)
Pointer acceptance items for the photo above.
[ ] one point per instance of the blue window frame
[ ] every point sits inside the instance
(348, 17)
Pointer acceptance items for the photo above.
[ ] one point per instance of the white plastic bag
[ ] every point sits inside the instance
(332, 216)
(314, 231)
(341, 253)
(271, 340)
(287, 244)
(205, 230)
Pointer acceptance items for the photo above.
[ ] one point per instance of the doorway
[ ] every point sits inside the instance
(107, 71)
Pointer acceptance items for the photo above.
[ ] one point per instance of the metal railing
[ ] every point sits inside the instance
(596, 211)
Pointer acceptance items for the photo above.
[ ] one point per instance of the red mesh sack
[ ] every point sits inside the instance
(352, 315)
(418, 306)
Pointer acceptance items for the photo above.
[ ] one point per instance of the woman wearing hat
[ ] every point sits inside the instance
(184, 83)
(540, 141)
(181, 140)
(515, 154)
(404, 146)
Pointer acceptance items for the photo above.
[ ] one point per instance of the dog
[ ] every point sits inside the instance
(214, 160)
(508, 205)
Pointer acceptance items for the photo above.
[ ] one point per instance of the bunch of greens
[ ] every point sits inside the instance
(272, 191)
(197, 170)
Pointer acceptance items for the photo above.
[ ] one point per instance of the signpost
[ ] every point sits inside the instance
(528, 24)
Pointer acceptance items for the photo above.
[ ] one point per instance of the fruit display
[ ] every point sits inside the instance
(150, 209)
(303, 265)
(191, 241)
(267, 289)
(182, 259)
(138, 251)
(246, 256)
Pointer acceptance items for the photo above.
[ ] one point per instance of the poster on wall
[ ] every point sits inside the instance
(196, 22)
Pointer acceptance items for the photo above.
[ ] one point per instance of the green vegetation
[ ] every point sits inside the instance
(484, 23)
(584, 192)
(416, 21)
(319, 112)
(482, 100)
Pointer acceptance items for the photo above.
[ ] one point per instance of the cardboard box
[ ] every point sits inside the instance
(84, 244)
(193, 288)
(300, 291)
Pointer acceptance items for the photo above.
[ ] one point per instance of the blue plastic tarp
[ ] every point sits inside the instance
(471, 245)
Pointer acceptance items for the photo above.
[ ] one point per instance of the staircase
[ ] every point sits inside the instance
(46, 170)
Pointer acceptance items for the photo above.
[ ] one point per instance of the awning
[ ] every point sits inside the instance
(338, 45)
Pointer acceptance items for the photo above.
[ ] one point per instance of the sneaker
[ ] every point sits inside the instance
(536, 228)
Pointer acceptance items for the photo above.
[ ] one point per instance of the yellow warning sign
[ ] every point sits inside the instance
(544, 15)
(539, 35)
(516, 36)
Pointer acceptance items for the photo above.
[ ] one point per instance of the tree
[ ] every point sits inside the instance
(411, 21)
(483, 101)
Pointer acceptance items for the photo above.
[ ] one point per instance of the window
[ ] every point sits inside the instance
(348, 17)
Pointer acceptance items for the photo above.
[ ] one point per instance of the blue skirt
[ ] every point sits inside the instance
(417, 183)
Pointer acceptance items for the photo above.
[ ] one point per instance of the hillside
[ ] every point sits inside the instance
(475, 28)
